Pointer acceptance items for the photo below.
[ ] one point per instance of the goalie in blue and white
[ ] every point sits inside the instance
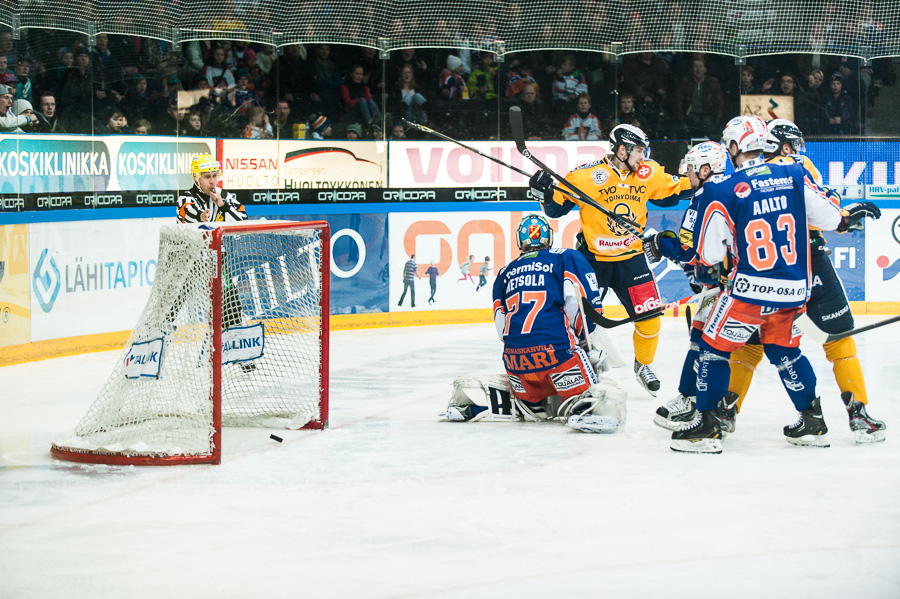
(552, 370)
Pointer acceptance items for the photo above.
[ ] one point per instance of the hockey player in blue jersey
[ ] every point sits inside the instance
(758, 218)
(703, 162)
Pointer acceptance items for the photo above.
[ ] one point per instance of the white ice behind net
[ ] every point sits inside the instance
(271, 278)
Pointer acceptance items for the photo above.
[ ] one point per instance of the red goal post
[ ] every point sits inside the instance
(235, 333)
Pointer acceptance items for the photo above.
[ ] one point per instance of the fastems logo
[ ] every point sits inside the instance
(46, 281)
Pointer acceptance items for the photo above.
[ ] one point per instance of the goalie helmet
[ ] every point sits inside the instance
(204, 163)
(783, 131)
(748, 132)
(629, 136)
(534, 234)
(709, 152)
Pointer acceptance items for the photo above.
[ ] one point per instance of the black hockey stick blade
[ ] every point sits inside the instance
(687, 316)
(518, 130)
(856, 331)
(610, 323)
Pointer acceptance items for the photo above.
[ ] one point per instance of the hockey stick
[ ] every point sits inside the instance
(609, 323)
(614, 358)
(809, 328)
(518, 132)
(425, 129)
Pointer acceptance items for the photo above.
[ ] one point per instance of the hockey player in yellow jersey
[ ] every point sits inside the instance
(623, 182)
(827, 308)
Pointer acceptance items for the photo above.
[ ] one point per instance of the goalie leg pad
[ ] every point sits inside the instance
(602, 409)
(486, 397)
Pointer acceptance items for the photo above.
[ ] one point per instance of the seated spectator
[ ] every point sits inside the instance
(242, 97)
(76, 95)
(319, 128)
(284, 122)
(583, 125)
(812, 99)
(265, 58)
(173, 122)
(519, 74)
(142, 127)
(357, 99)
(747, 85)
(137, 103)
(51, 116)
(698, 103)
(454, 96)
(194, 124)
(116, 124)
(533, 118)
(161, 58)
(839, 109)
(627, 115)
(398, 131)
(327, 82)
(10, 121)
(217, 73)
(24, 108)
(258, 126)
(407, 98)
(354, 131)
(482, 80)
(7, 77)
(55, 77)
(568, 83)
(24, 89)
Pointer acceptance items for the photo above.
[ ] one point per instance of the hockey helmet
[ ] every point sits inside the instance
(783, 131)
(534, 234)
(748, 132)
(629, 136)
(204, 163)
(709, 152)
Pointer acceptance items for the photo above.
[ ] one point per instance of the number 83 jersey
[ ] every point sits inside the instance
(760, 216)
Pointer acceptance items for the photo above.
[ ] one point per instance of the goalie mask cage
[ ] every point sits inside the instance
(254, 296)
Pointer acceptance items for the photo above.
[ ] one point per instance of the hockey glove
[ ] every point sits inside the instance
(711, 276)
(540, 187)
(855, 213)
(652, 248)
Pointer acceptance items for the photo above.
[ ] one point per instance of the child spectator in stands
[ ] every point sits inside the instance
(357, 99)
(627, 114)
(319, 128)
(354, 131)
(454, 95)
(258, 126)
(137, 102)
(24, 89)
(398, 131)
(242, 96)
(143, 127)
(116, 124)
(407, 98)
(194, 123)
(533, 117)
(482, 80)
(568, 83)
(24, 108)
(839, 109)
(583, 125)
(217, 73)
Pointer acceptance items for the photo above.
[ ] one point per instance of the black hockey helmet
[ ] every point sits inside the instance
(783, 131)
(629, 136)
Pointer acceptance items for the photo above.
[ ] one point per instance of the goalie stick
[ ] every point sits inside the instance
(518, 132)
(431, 131)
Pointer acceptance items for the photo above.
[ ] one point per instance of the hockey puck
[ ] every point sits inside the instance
(276, 438)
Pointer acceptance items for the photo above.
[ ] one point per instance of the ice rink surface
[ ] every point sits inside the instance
(392, 502)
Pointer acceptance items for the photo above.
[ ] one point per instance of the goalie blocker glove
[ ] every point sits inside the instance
(654, 245)
(540, 186)
(854, 214)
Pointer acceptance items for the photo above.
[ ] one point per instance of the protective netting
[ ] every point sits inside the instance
(159, 399)
(862, 28)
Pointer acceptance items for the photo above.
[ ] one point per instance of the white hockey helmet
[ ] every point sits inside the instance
(748, 132)
(783, 131)
(709, 152)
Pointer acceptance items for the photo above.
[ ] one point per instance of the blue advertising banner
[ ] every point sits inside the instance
(359, 261)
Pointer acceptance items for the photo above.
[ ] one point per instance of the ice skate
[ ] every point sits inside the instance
(677, 414)
(703, 435)
(865, 428)
(726, 411)
(810, 429)
(646, 377)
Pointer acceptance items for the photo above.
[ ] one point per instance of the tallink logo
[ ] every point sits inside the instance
(46, 281)
(888, 270)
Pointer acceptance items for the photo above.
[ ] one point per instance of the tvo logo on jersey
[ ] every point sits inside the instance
(46, 281)
(742, 190)
(888, 270)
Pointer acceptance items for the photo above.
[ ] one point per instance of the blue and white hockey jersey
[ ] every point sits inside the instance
(536, 305)
(760, 216)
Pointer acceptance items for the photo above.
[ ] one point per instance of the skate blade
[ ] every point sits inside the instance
(809, 441)
(867, 438)
(698, 446)
(670, 425)
(645, 387)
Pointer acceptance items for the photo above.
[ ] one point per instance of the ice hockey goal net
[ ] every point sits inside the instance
(235, 333)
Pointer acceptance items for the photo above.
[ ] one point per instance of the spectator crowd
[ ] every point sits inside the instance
(132, 85)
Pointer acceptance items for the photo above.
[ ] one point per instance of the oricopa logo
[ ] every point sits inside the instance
(888, 270)
(46, 281)
(742, 189)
